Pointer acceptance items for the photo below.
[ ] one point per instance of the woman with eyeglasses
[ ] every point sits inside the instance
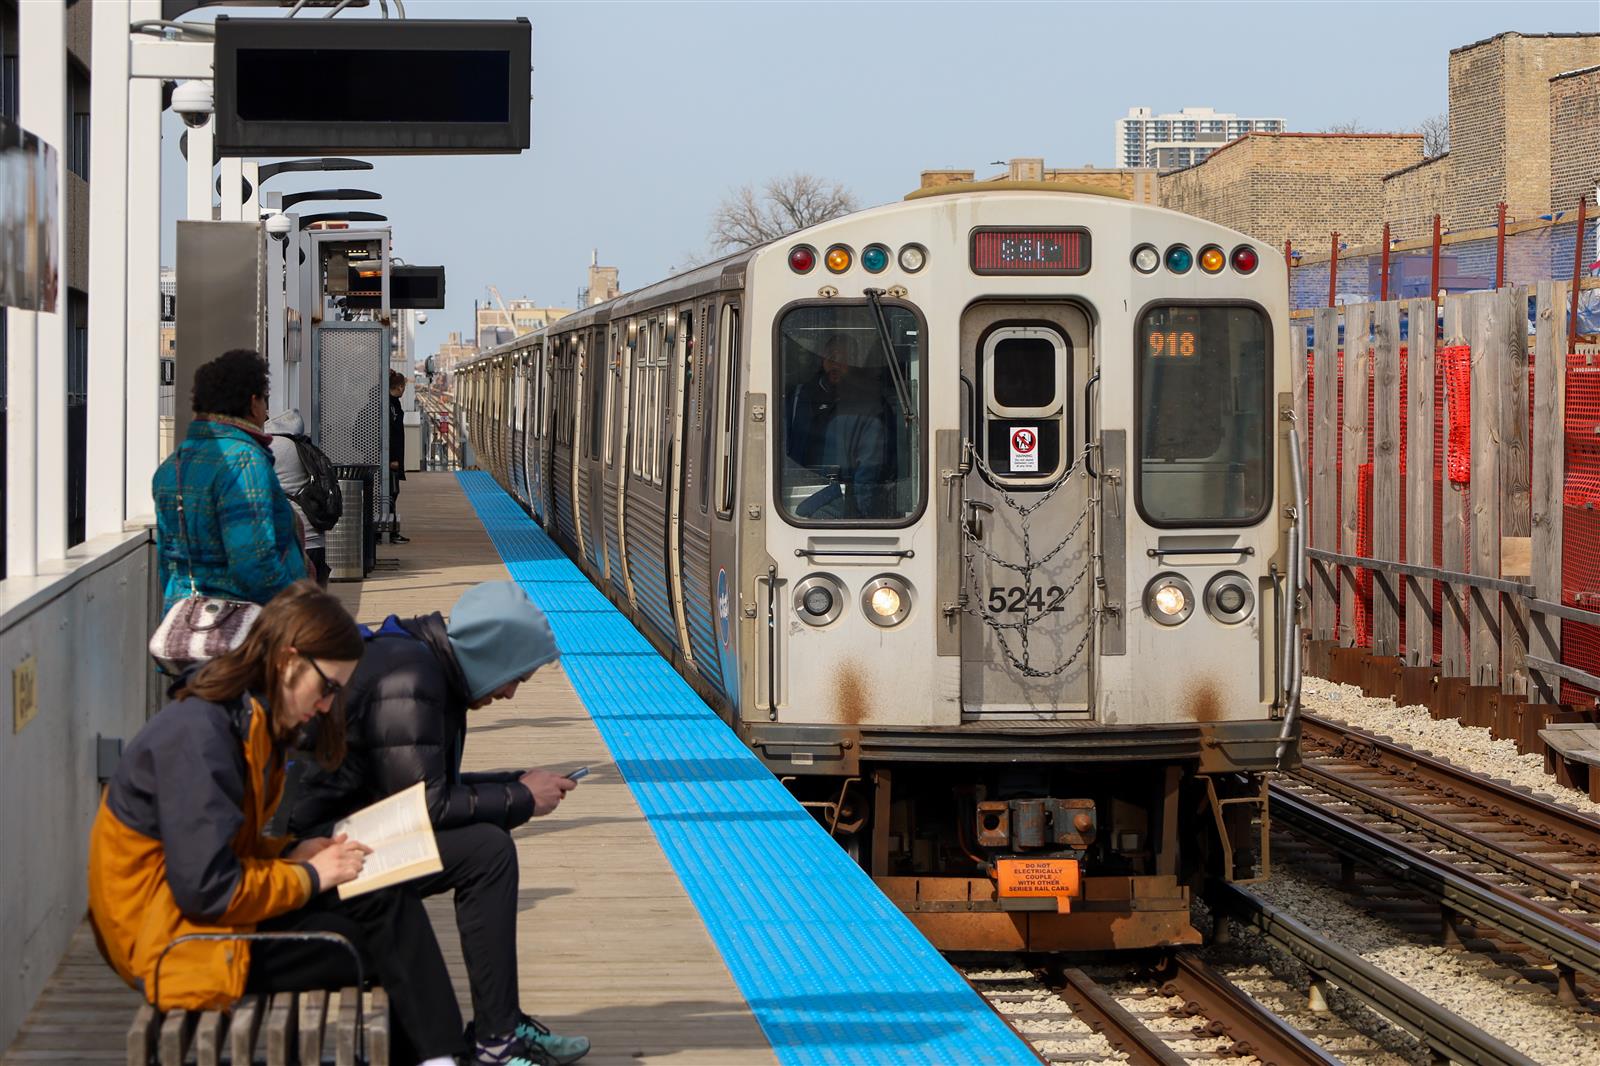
(178, 845)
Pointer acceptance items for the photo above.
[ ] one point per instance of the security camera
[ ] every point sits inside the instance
(278, 226)
(422, 318)
(193, 102)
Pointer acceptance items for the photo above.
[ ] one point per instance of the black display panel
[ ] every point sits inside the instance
(419, 288)
(1014, 250)
(386, 87)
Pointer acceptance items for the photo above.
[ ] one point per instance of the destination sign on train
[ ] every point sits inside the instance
(1054, 250)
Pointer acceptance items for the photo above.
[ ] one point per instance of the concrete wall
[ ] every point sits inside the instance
(1574, 135)
(86, 631)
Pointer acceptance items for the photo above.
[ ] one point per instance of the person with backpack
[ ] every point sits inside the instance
(407, 709)
(307, 478)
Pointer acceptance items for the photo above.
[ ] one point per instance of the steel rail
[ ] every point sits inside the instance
(1253, 1029)
(1446, 1034)
(1100, 1011)
(1565, 940)
(1567, 829)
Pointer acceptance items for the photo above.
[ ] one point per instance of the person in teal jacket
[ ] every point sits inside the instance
(237, 537)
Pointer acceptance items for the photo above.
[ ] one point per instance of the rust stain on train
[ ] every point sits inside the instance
(850, 694)
(1204, 702)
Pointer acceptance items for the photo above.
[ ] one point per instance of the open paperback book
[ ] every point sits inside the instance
(401, 838)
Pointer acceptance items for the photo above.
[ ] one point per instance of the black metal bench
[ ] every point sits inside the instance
(344, 1027)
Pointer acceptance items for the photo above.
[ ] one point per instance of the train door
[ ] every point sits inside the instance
(532, 378)
(1026, 530)
(722, 423)
(646, 543)
(607, 495)
(596, 373)
(519, 426)
(622, 452)
(580, 419)
(689, 542)
(561, 439)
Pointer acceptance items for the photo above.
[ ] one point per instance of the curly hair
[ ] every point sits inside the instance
(225, 385)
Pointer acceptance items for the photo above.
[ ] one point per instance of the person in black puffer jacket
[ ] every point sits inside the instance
(406, 713)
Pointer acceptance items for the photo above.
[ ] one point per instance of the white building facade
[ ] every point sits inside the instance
(1180, 139)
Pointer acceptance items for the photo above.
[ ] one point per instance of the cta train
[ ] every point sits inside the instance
(976, 517)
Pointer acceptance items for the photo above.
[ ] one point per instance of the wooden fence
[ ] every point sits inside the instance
(1491, 559)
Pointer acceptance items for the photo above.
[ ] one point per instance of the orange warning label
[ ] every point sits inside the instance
(1039, 877)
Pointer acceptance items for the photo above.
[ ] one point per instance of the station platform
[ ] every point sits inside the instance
(679, 907)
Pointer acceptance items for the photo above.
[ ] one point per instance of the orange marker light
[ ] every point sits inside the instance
(838, 259)
(1212, 260)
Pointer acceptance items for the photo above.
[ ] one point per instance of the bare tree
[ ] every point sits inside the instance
(746, 218)
(1353, 125)
(1435, 135)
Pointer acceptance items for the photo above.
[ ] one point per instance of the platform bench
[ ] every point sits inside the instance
(278, 1030)
(1572, 755)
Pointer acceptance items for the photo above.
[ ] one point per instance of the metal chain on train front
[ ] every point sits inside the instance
(975, 604)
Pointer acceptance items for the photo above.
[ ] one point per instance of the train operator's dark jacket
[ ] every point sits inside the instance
(177, 848)
(406, 715)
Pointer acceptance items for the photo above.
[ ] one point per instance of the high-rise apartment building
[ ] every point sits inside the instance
(1181, 139)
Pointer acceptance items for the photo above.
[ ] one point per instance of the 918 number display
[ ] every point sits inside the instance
(1173, 344)
(1014, 599)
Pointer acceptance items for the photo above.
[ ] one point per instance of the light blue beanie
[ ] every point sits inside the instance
(499, 636)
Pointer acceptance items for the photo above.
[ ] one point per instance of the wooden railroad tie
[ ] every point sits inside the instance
(279, 1030)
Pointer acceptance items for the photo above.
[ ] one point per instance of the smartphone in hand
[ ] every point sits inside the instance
(579, 774)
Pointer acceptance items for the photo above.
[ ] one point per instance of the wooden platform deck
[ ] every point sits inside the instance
(609, 944)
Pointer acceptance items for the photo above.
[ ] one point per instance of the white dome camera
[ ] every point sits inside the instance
(422, 318)
(193, 102)
(278, 226)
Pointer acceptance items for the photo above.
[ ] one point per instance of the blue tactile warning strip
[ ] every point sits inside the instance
(832, 971)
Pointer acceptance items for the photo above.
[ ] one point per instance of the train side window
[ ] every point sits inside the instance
(1027, 432)
(1204, 415)
(728, 407)
(641, 398)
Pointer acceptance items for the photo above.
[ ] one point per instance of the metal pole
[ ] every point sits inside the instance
(1577, 272)
(198, 181)
(43, 110)
(144, 282)
(1500, 245)
(232, 189)
(1383, 281)
(22, 466)
(108, 270)
(1433, 290)
(1333, 268)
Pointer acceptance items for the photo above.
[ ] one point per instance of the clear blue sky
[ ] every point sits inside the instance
(646, 114)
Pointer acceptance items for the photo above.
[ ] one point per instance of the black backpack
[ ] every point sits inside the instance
(320, 498)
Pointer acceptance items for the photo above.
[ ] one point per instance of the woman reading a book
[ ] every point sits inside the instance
(178, 848)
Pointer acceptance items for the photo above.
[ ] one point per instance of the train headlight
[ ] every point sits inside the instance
(913, 257)
(1169, 599)
(886, 600)
(1146, 259)
(1229, 598)
(818, 599)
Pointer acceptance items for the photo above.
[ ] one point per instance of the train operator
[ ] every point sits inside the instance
(406, 710)
(838, 425)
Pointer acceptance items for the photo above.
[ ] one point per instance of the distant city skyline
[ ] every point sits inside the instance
(1171, 139)
(636, 141)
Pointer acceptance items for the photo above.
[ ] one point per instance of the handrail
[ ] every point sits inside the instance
(1296, 576)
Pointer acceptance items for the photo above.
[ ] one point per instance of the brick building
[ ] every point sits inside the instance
(1295, 186)
(1501, 107)
(1574, 137)
(1138, 184)
(1413, 195)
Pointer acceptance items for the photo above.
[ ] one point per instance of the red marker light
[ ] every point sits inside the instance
(802, 259)
(1245, 259)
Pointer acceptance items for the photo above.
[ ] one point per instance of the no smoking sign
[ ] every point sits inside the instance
(1025, 449)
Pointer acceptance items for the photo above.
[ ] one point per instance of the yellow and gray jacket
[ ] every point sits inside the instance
(177, 848)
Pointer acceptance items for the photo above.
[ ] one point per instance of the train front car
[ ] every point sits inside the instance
(1013, 575)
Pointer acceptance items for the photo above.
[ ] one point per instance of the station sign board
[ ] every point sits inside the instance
(372, 87)
(416, 287)
(30, 221)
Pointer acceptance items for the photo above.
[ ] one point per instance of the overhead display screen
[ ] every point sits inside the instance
(999, 250)
(399, 86)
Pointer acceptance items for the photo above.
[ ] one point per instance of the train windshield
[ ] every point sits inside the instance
(847, 452)
(1204, 432)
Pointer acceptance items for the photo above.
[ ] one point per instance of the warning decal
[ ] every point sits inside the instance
(1024, 449)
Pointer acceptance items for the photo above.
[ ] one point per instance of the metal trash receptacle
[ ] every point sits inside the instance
(346, 541)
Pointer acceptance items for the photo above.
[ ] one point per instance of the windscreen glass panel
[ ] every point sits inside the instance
(1204, 425)
(1024, 372)
(847, 453)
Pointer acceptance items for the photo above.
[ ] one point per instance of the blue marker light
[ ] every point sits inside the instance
(875, 258)
(1179, 259)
